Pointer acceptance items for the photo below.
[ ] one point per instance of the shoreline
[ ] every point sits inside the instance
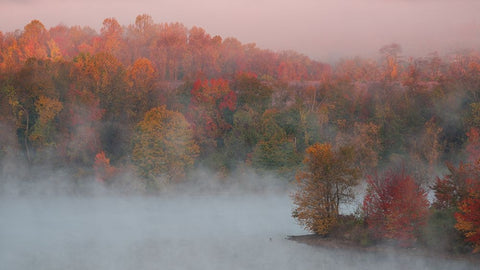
(318, 241)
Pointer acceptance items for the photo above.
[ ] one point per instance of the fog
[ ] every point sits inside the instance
(222, 231)
(322, 29)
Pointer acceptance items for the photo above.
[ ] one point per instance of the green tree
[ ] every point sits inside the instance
(274, 150)
(163, 147)
(243, 136)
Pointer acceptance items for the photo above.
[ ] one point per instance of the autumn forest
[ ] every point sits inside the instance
(160, 101)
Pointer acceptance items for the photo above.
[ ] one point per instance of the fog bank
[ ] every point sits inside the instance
(181, 232)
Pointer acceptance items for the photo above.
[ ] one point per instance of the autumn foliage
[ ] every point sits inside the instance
(103, 170)
(468, 216)
(210, 102)
(163, 146)
(395, 207)
(473, 145)
(324, 183)
(160, 99)
(453, 187)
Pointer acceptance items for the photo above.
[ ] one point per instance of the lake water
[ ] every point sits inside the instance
(174, 232)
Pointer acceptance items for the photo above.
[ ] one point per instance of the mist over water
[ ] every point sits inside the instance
(172, 232)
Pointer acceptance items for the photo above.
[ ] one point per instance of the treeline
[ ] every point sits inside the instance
(162, 99)
(176, 52)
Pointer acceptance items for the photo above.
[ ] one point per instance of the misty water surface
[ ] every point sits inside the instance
(186, 232)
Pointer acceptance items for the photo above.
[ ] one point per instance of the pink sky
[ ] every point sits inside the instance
(322, 29)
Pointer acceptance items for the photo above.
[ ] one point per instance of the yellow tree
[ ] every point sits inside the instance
(104, 75)
(141, 78)
(163, 146)
(44, 128)
(325, 181)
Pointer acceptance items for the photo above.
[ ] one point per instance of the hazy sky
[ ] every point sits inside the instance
(322, 29)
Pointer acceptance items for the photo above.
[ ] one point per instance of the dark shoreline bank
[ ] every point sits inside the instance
(386, 248)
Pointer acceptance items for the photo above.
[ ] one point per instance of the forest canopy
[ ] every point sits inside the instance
(68, 94)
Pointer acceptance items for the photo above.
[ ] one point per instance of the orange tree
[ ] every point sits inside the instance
(325, 181)
(452, 200)
(468, 215)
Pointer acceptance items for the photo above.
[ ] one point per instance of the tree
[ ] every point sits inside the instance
(82, 123)
(44, 129)
(325, 181)
(431, 145)
(103, 170)
(173, 41)
(140, 36)
(103, 75)
(232, 56)
(451, 192)
(391, 53)
(453, 187)
(472, 147)
(274, 150)
(244, 135)
(10, 55)
(111, 37)
(458, 194)
(141, 81)
(163, 146)
(33, 41)
(252, 92)
(203, 52)
(37, 78)
(210, 111)
(395, 207)
(364, 138)
(468, 216)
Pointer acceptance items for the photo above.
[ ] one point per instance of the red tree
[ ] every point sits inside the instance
(395, 207)
(210, 103)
